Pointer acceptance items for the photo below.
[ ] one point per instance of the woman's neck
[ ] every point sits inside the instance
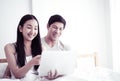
(27, 47)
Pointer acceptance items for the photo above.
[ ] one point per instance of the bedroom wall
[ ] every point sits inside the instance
(10, 13)
(115, 27)
(93, 25)
(88, 25)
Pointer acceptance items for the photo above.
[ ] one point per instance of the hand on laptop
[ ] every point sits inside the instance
(52, 75)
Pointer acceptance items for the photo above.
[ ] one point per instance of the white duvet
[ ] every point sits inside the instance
(94, 74)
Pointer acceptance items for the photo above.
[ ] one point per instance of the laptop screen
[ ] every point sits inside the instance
(62, 61)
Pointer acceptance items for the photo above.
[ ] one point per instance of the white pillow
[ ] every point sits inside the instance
(3, 67)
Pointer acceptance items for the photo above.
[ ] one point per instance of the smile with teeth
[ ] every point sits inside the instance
(31, 35)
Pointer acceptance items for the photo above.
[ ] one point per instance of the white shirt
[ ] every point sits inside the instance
(58, 46)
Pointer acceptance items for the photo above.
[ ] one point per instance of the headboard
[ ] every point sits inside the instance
(3, 60)
(79, 57)
(86, 62)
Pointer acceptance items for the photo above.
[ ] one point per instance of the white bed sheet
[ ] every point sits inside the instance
(95, 74)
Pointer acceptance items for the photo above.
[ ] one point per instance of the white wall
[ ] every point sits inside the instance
(88, 25)
(10, 13)
(115, 27)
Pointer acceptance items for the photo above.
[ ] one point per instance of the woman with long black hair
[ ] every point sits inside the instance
(24, 55)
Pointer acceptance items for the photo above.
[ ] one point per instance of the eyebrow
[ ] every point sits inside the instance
(57, 26)
(31, 25)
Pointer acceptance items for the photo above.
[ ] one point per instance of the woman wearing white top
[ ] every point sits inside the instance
(28, 44)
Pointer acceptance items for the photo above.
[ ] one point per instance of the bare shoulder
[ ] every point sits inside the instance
(9, 45)
(9, 48)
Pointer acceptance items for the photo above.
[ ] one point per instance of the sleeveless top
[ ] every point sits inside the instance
(31, 74)
(58, 46)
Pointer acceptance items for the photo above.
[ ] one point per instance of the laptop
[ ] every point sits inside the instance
(62, 61)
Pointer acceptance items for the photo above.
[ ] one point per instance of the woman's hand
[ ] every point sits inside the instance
(36, 60)
(52, 76)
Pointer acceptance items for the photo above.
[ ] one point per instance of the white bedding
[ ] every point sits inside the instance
(95, 74)
(2, 69)
(102, 74)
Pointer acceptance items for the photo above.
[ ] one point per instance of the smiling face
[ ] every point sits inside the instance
(29, 30)
(55, 31)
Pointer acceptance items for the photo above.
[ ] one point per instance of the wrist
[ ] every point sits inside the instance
(31, 63)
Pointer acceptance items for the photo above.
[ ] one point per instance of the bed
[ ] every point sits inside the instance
(87, 70)
(3, 66)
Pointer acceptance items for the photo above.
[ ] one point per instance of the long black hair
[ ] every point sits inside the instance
(35, 46)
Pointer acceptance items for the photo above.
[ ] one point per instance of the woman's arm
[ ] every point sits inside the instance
(18, 72)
